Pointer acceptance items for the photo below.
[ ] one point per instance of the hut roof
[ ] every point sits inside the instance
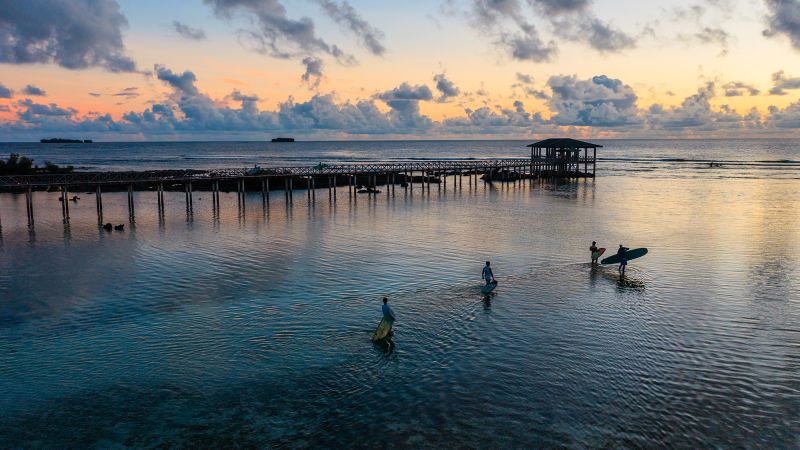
(563, 143)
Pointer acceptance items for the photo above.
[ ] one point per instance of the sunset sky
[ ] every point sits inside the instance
(378, 69)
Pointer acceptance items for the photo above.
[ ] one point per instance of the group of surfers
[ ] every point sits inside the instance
(488, 276)
(622, 252)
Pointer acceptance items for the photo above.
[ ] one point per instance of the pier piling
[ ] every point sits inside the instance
(99, 203)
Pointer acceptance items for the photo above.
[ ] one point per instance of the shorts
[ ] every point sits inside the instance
(623, 262)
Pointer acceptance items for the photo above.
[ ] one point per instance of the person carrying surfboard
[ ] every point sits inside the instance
(387, 310)
(487, 273)
(623, 259)
(595, 252)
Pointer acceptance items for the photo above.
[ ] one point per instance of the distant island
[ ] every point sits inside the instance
(65, 141)
(281, 139)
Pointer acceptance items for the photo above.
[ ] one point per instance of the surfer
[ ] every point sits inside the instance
(387, 310)
(623, 259)
(487, 273)
(595, 252)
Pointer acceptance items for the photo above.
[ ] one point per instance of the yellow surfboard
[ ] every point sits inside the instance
(383, 330)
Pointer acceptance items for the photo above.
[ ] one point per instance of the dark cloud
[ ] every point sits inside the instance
(446, 87)
(781, 82)
(570, 20)
(536, 93)
(592, 31)
(783, 18)
(556, 7)
(598, 102)
(95, 94)
(739, 88)
(195, 34)
(183, 83)
(407, 92)
(603, 37)
(274, 33)
(526, 45)
(404, 103)
(35, 112)
(5, 92)
(313, 73)
(524, 79)
(128, 92)
(33, 91)
(345, 15)
(74, 34)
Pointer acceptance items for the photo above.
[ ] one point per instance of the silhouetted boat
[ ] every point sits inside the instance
(65, 141)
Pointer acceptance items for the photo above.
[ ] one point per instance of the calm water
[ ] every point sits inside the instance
(253, 327)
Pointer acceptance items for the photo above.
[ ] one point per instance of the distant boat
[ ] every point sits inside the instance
(282, 139)
(65, 141)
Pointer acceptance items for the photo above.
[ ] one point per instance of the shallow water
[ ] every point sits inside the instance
(253, 327)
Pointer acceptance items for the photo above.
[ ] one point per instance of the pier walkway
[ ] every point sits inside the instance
(358, 177)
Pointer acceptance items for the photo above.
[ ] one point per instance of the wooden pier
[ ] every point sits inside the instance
(357, 178)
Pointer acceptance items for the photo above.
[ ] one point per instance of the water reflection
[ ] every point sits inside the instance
(248, 328)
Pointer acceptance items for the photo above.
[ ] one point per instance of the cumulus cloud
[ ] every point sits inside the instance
(183, 83)
(598, 102)
(74, 34)
(5, 92)
(486, 120)
(781, 82)
(185, 31)
(446, 87)
(33, 91)
(783, 18)
(345, 15)
(786, 118)
(696, 113)
(274, 33)
(739, 88)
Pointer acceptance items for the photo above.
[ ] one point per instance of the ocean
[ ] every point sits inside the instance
(251, 327)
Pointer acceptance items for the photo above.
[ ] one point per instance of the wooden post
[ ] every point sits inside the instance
(99, 202)
(64, 195)
(594, 162)
(29, 204)
(335, 182)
